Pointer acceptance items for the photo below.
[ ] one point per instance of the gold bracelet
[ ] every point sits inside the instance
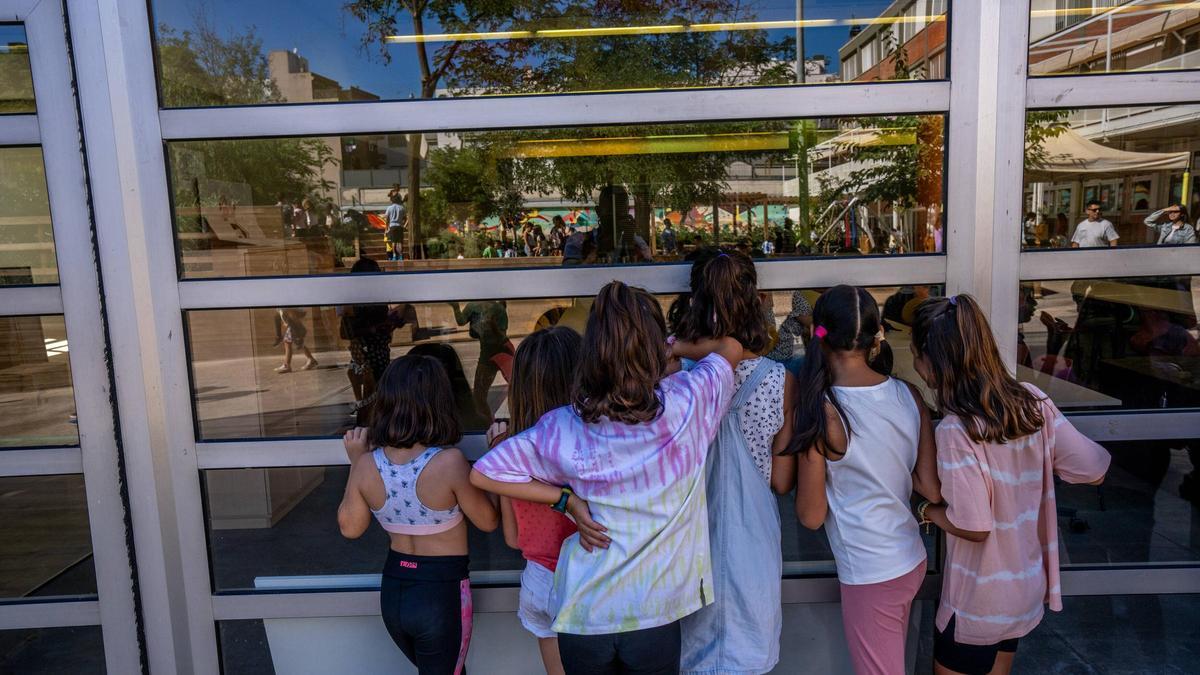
(921, 519)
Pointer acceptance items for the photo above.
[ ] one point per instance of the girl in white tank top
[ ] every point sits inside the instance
(864, 443)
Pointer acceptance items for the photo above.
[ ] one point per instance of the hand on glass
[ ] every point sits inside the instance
(591, 533)
(356, 443)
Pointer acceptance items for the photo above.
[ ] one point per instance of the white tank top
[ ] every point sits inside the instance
(871, 530)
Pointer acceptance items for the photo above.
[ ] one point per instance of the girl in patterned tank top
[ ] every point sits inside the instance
(404, 472)
(740, 632)
(999, 447)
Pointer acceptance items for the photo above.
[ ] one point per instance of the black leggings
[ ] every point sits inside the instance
(652, 651)
(426, 606)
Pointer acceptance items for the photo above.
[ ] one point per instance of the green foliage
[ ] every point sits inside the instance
(200, 68)
(1040, 126)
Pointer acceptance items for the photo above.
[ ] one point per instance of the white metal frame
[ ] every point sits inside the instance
(55, 127)
(124, 129)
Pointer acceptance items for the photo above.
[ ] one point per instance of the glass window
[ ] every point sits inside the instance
(261, 53)
(536, 198)
(271, 526)
(16, 79)
(1110, 344)
(37, 403)
(76, 649)
(26, 238)
(1111, 36)
(1111, 177)
(47, 548)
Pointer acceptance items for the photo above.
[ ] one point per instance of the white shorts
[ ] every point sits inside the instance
(537, 583)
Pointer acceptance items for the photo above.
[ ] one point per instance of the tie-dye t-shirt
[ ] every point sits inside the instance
(645, 483)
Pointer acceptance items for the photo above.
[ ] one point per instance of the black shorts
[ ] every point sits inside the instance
(426, 607)
(967, 659)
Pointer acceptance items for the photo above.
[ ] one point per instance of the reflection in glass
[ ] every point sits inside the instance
(47, 549)
(75, 649)
(384, 50)
(1111, 177)
(576, 196)
(16, 78)
(1112, 36)
(37, 403)
(26, 238)
(237, 354)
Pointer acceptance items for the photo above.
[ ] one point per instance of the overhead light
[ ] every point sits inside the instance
(665, 29)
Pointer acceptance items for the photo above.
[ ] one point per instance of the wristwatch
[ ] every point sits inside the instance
(561, 504)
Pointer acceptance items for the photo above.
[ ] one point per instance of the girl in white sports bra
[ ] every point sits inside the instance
(405, 474)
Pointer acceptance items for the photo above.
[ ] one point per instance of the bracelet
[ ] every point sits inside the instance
(921, 519)
(563, 499)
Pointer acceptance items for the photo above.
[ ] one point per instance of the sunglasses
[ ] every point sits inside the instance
(1090, 210)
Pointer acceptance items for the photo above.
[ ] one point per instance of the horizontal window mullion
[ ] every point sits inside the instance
(1131, 580)
(41, 461)
(19, 130)
(1126, 89)
(30, 300)
(506, 112)
(1110, 262)
(1137, 425)
(53, 614)
(559, 282)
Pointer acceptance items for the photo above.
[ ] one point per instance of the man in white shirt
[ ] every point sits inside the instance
(1095, 232)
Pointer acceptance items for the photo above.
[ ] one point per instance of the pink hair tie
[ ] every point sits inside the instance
(820, 332)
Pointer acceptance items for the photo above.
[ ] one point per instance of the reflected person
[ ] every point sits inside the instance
(488, 323)
(1094, 231)
(1170, 226)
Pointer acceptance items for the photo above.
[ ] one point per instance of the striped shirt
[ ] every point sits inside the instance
(998, 587)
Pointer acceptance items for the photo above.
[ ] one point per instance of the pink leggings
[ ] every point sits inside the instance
(875, 617)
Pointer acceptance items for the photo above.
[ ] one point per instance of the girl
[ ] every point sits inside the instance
(999, 447)
(739, 633)
(417, 488)
(542, 377)
(864, 441)
(633, 444)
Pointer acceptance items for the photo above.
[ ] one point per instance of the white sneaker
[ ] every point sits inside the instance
(310, 364)
(283, 369)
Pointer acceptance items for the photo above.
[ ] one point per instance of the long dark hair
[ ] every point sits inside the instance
(845, 319)
(624, 357)
(414, 405)
(543, 375)
(725, 301)
(970, 379)
(460, 386)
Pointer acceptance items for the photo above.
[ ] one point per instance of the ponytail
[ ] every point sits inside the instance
(724, 301)
(845, 319)
(971, 379)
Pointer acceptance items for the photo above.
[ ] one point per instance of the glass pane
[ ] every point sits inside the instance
(1112, 36)
(16, 79)
(1115, 634)
(26, 238)
(537, 198)
(270, 526)
(37, 403)
(77, 649)
(1105, 344)
(47, 542)
(1111, 177)
(222, 55)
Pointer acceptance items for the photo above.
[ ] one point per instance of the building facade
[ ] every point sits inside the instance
(183, 198)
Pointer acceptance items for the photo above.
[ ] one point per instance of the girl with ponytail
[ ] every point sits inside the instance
(740, 632)
(864, 441)
(999, 447)
(629, 449)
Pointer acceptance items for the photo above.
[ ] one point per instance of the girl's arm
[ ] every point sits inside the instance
(936, 514)
(729, 349)
(508, 522)
(354, 515)
(476, 504)
(459, 317)
(925, 475)
(811, 506)
(783, 467)
(591, 533)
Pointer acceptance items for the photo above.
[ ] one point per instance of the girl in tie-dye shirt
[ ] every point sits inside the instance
(632, 446)
(999, 446)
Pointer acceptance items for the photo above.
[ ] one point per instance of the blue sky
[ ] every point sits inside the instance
(329, 37)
